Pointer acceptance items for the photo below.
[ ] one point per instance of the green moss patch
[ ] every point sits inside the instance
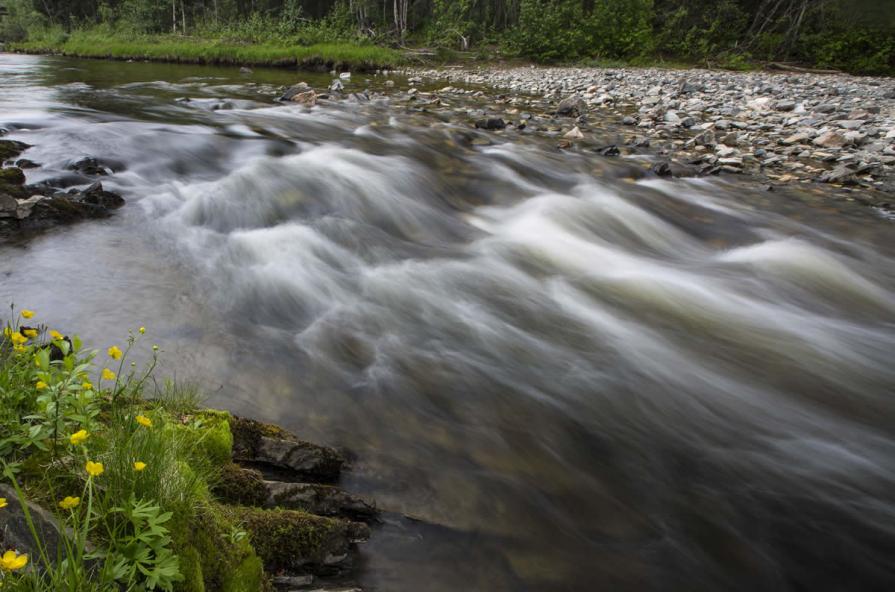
(238, 485)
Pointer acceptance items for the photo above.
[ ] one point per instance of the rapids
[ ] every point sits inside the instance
(570, 379)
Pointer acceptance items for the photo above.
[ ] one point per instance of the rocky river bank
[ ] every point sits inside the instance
(784, 127)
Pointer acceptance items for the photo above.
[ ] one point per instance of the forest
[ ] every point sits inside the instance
(853, 35)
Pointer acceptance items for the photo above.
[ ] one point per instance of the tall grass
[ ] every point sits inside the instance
(171, 48)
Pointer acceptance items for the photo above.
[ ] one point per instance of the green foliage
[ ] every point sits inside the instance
(134, 475)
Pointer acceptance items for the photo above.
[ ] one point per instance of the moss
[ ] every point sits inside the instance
(247, 577)
(238, 485)
(288, 540)
(223, 560)
(191, 570)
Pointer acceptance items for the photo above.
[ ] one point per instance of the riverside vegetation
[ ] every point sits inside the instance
(854, 35)
(105, 490)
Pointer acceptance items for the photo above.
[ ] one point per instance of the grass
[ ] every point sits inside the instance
(170, 48)
(136, 474)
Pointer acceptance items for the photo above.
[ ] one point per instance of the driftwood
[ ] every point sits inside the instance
(790, 68)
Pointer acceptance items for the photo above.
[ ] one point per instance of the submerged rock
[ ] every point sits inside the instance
(491, 123)
(292, 91)
(573, 106)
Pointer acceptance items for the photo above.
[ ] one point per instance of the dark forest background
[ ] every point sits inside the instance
(854, 35)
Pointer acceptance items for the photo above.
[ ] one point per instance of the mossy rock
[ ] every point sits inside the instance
(11, 148)
(290, 540)
(280, 453)
(214, 558)
(12, 176)
(241, 486)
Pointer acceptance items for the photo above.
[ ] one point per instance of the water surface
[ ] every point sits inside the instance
(573, 379)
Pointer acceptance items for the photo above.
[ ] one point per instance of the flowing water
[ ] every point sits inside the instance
(573, 380)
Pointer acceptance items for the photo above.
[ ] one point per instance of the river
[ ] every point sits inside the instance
(571, 379)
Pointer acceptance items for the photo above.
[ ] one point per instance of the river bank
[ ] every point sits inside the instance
(178, 49)
(175, 496)
(790, 128)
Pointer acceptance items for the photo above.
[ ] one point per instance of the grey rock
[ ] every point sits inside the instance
(15, 532)
(323, 500)
(491, 123)
(830, 139)
(572, 107)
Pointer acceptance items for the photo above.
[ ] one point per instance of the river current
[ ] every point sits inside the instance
(569, 378)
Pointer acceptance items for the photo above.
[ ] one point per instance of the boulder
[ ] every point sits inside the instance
(10, 149)
(573, 106)
(296, 89)
(90, 166)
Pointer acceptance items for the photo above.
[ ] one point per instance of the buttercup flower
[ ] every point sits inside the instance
(108, 374)
(114, 353)
(142, 330)
(144, 421)
(40, 385)
(94, 469)
(17, 338)
(30, 332)
(155, 348)
(87, 385)
(12, 561)
(78, 437)
(27, 313)
(3, 503)
(139, 466)
(69, 502)
(56, 335)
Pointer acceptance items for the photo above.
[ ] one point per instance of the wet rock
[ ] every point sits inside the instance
(89, 166)
(307, 98)
(323, 500)
(291, 583)
(24, 163)
(574, 134)
(573, 106)
(97, 196)
(10, 149)
(297, 542)
(611, 150)
(628, 120)
(785, 105)
(12, 176)
(274, 450)
(662, 169)
(289, 93)
(491, 123)
(245, 71)
(336, 86)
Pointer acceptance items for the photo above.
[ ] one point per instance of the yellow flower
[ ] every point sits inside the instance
(17, 338)
(114, 353)
(87, 385)
(7, 331)
(18, 349)
(30, 332)
(27, 313)
(144, 421)
(78, 437)
(108, 374)
(3, 503)
(142, 330)
(56, 335)
(139, 466)
(12, 561)
(40, 385)
(69, 502)
(94, 469)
